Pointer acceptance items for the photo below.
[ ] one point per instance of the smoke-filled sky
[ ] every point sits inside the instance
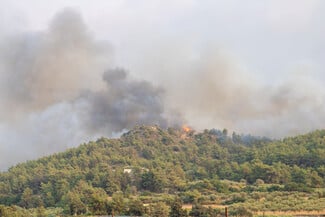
(72, 71)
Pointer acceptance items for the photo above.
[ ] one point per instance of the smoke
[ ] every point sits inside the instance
(123, 104)
(219, 92)
(40, 69)
(61, 87)
(57, 91)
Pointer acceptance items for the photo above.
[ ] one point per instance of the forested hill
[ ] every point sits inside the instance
(151, 159)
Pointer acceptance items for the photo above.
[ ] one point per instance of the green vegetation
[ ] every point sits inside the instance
(152, 172)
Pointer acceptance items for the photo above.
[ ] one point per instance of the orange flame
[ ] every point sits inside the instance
(186, 128)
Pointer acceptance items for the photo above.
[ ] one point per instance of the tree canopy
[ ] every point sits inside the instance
(149, 159)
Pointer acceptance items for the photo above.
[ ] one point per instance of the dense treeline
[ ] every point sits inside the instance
(175, 162)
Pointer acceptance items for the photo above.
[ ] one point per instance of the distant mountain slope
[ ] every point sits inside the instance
(151, 159)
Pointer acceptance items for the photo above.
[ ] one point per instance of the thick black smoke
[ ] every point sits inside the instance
(123, 104)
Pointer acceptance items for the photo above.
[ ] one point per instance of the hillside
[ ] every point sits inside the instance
(150, 160)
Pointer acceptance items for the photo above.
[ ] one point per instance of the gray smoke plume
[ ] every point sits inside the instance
(55, 94)
(60, 87)
(123, 104)
(219, 92)
(40, 69)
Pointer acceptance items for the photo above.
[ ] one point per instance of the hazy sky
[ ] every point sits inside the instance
(267, 36)
(71, 71)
